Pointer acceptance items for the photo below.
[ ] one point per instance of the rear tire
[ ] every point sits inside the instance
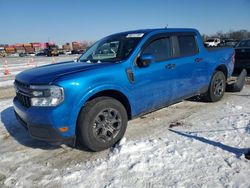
(217, 87)
(101, 123)
(239, 84)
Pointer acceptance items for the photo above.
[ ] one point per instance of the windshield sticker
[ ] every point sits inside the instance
(135, 35)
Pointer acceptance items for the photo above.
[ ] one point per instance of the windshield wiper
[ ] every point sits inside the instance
(90, 61)
(85, 60)
(112, 60)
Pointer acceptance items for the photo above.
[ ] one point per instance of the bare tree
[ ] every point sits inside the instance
(238, 34)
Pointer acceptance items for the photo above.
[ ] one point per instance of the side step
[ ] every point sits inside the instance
(238, 84)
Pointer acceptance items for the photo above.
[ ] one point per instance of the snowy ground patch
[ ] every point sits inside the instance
(190, 144)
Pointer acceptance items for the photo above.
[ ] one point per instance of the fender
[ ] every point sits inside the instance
(77, 107)
(221, 67)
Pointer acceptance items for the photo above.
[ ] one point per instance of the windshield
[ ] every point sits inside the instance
(113, 48)
(244, 43)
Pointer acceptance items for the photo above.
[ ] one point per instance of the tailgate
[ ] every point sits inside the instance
(242, 53)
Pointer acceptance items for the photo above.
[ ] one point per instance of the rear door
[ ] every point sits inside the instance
(191, 69)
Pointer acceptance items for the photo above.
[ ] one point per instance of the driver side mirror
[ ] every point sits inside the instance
(145, 59)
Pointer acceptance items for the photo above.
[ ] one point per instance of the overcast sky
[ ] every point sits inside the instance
(68, 20)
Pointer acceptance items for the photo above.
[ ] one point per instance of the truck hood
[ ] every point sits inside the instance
(48, 73)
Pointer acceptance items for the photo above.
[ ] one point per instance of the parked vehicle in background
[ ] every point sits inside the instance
(51, 50)
(32, 54)
(212, 42)
(2, 52)
(41, 53)
(242, 55)
(14, 55)
(23, 54)
(61, 52)
(120, 77)
(67, 52)
(75, 52)
(228, 43)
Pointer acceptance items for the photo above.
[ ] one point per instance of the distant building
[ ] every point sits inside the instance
(66, 47)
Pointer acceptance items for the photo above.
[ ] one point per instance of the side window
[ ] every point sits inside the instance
(160, 48)
(187, 45)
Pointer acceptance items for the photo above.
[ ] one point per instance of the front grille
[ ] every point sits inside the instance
(23, 93)
(24, 100)
(21, 84)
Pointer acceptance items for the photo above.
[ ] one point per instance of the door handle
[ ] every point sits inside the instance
(198, 60)
(170, 66)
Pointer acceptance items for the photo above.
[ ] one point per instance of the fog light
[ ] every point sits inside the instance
(63, 129)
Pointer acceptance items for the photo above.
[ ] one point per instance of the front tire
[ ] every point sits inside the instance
(101, 123)
(217, 87)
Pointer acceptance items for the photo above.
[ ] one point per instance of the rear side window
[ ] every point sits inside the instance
(187, 45)
(160, 48)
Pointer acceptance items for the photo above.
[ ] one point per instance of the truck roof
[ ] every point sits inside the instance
(147, 31)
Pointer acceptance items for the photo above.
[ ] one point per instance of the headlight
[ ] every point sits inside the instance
(46, 95)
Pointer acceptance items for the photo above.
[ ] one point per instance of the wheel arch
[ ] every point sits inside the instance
(223, 69)
(118, 95)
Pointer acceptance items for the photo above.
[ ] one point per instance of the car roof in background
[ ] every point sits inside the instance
(245, 40)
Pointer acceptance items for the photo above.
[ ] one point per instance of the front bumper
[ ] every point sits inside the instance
(39, 123)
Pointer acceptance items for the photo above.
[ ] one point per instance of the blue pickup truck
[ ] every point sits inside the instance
(118, 78)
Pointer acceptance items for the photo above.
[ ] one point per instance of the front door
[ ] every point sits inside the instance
(154, 84)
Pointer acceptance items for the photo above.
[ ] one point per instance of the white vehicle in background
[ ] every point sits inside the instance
(32, 54)
(14, 55)
(212, 42)
(67, 53)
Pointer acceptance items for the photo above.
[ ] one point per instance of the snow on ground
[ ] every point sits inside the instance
(190, 144)
(7, 83)
(18, 64)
